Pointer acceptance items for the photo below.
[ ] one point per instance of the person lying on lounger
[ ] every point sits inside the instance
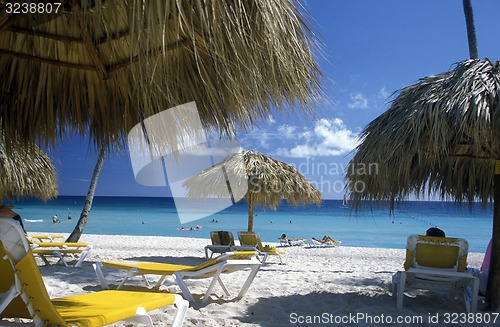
(284, 240)
(325, 239)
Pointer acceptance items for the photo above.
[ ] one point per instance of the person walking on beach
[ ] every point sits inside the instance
(7, 212)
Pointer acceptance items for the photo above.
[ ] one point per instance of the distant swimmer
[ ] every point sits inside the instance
(190, 228)
(69, 215)
(55, 219)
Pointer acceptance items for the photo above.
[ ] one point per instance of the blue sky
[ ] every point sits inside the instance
(370, 50)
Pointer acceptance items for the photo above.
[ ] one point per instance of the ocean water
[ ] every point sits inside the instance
(366, 228)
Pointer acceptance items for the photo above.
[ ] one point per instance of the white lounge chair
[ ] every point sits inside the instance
(226, 263)
(329, 244)
(286, 241)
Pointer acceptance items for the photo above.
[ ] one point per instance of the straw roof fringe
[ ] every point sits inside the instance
(26, 172)
(104, 66)
(441, 135)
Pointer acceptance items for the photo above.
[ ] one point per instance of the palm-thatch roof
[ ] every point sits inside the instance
(26, 172)
(441, 135)
(106, 65)
(264, 180)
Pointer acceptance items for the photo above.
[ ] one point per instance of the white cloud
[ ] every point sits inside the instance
(306, 135)
(358, 101)
(329, 138)
(263, 140)
(287, 131)
(383, 93)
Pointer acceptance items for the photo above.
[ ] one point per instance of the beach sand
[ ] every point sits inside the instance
(330, 285)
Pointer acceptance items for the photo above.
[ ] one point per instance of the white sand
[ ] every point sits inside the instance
(329, 283)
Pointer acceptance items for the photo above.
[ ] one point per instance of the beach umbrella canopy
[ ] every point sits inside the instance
(26, 172)
(440, 135)
(104, 66)
(266, 181)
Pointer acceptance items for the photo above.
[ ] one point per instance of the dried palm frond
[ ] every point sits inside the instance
(441, 135)
(26, 172)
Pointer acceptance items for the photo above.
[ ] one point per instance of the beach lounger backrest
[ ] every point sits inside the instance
(222, 238)
(35, 299)
(250, 239)
(12, 307)
(436, 252)
(34, 288)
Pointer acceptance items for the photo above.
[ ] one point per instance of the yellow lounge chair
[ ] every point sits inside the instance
(43, 238)
(23, 293)
(222, 242)
(251, 239)
(213, 268)
(436, 264)
(62, 250)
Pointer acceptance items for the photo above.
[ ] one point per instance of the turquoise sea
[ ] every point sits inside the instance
(366, 228)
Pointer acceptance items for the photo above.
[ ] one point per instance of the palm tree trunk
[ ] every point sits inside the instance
(471, 29)
(250, 211)
(493, 289)
(84, 216)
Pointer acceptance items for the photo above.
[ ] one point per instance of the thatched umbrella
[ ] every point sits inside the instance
(263, 181)
(106, 65)
(26, 172)
(441, 135)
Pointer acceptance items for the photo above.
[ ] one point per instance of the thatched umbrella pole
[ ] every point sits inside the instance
(250, 200)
